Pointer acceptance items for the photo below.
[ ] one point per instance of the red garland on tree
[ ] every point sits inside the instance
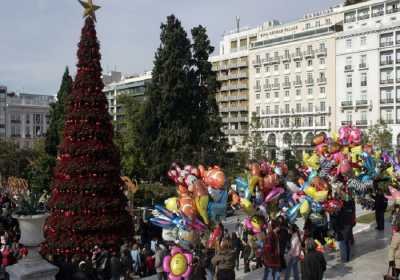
(87, 203)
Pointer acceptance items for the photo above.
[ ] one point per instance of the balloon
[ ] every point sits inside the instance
(255, 223)
(394, 195)
(255, 169)
(297, 196)
(305, 208)
(330, 242)
(187, 206)
(320, 196)
(355, 136)
(319, 248)
(247, 206)
(170, 234)
(345, 167)
(215, 194)
(321, 149)
(217, 209)
(316, 207)
(319, 139)
(172, 204)
(270, 182)
(178, 264)
(355, 152)
(253, 182)
(311, 161)
(292, 187)
(292, 212)
(215, 178)
(235, 198)
(202, 205)
(216, 234)
(259, 197)
(202, 170)
(310, 191)
(265, 168)
(275, 193)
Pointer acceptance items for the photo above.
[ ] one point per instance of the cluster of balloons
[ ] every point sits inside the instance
(201, 203)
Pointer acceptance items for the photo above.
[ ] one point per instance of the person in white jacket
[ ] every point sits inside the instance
(294, 253)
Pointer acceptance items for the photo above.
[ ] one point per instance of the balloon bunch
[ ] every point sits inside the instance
(201, 202)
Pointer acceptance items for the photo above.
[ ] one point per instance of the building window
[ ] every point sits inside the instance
(267, 95)
(258, 110)
(298, 51)
(298, 79)
(257, 96)
(310, 91)
(322, 46)
(309, 48)
(363, 95)
(287, 53)
(298, 64)
(363, 40)
(298, 107)
(322, 106)
(267, 110)
(276, 67)
(349, 116)
(363, 115)
(286, 66)
(266, 69)
(309, 62)
(258, 69)
(327, 21)
(287, 108)
(286, 79)
(298, 92)
(349, 61)
(363, 79)
(349, 97)
(310, 107)
(308, 25)
(317, 23)
(276, 94)
(349, 81)
(276, 109)
(322, 90)
(322, 61)
(322, 121)
(287, 93)
(258, 84)
(348, 43)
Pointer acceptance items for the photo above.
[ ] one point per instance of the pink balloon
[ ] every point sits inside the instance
(344, 167)
(166, 261)
(344, 133)
(355, 136)
(274, 193)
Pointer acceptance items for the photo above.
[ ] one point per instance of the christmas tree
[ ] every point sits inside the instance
(87, 203)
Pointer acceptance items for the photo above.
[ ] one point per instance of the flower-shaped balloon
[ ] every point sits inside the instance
(178, 264)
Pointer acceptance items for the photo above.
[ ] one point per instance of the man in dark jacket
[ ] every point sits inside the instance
(314, 264)
(115, 266)
(380, 208)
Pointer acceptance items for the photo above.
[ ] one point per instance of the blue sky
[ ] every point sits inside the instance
(39, 37)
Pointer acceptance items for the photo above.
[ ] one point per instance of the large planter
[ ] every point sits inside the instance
(32, 266)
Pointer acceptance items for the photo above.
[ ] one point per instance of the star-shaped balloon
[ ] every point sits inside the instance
(90, 9)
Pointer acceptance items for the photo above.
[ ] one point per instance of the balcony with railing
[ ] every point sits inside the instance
(267, 86)
(348, 68)
(223, 77)
(235, 131)
(345, 123)
(321, 52)
(224, 88)
(388, 121)
(387, 81)
(276, 86)
(297, 56)
(242, 86)
(362, 103)
(297, 83)
(363, 83)
(347, 104)
(392, 11)
(363, 66)
(386, 44)
(322, 80)
(350, 19)
(285, 58)
(286, 85)
(256, 62)
(384, 101)
(378, 13)
(242, 64)
(363, 17)
(362, 123)
(309, 54)
(309, 81)
(387, 62)
(257, 88)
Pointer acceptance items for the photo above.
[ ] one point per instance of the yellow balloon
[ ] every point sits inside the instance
(335, 136)
(172, 204)
(310, 191)
(201, 205)
(256, 222)
(178, 264)
(355, 152)
(305, 208)
(253, 182)
(320, 196)
(247, 206)
(311, 160)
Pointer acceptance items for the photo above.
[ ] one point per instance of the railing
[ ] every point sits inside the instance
(360, 103)
(362, 17)
(362, 122)
(362, 66)
(386, 62)
(286, 85)
(378, 14)
(345, 123)
(363, 83)
(322, 52)
(389, 121)
(386, 44)
(267, 87)
(348, 67)
(286, 58)
(321, 80)
(309, 53)
(297, 83)
(391, 11)
(256, 62)
(257, 88)
(276, 86)
(387, 101)
(387, 81)
(347, 103)
(242, 64)
(309, 81)
(297, 56)
(350, 19)
(349, 85)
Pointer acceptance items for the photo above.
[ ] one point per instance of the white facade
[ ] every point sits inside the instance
(130, 85)
(368, 66)
(292, 80)
(231, 66)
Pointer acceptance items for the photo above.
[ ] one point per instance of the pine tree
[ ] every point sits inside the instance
(211, 141)
(165, 131)
(57, 115)
(87, 203)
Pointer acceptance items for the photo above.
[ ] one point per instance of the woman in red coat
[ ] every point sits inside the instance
(271, 253)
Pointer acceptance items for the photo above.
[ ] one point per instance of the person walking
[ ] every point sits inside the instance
(380, 208)
(158, 261)
(136, 260)
(237, 246)
(224, 261)
(271, 253)
(314, 264)
(115, 266)
(246, 254)
(294, 253)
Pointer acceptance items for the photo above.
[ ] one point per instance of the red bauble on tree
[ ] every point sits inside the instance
(87, 204)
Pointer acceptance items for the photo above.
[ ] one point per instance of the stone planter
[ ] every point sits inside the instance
(32, 266)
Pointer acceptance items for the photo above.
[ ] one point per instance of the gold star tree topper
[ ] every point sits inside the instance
(90, 9)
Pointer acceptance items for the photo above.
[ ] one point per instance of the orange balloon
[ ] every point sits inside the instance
(270, 182)
(319, 139)
(199, 188)
(202, 170)
(187, 205)
(255, 169)
(215, 178)
(182, 189)
(284, 168)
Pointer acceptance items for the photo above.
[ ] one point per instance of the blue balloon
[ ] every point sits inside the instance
(217, 209)
(293, 212)
(241, 184)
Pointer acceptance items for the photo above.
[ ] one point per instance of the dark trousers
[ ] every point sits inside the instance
(225, 274)
(380, 219)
